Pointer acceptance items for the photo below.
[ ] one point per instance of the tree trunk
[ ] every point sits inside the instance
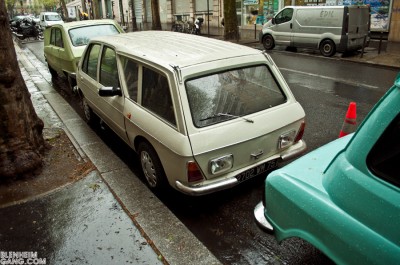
(134, 25)
(64, 10)
(155, 15)
(231, 31)
(21, 138)
(96, 9)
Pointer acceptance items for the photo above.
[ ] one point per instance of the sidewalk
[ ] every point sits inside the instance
(150, 221)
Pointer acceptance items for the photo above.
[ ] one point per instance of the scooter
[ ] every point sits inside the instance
(27, 29)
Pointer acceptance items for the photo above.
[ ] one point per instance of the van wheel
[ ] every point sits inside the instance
(90, 116)
(327, 48)
(52, 71)
(268, 42)
(151, 166)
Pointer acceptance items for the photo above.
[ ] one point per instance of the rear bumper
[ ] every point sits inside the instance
(203, 189)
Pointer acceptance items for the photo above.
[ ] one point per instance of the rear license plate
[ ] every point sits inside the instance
(252, 172)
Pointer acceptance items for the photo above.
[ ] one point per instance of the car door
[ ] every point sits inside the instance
(283, 27)
(53, 50)
(100, 70)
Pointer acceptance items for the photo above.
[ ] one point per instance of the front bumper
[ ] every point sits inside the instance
(259, 215)
(295, 150)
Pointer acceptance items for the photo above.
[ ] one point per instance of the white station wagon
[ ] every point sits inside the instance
(204, 115)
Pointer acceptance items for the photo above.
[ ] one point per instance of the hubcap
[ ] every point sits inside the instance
(148, 169)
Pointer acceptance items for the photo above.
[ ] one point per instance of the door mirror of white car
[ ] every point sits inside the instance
(109, 91)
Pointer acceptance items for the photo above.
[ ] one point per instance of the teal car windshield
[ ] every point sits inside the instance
(81, 36)
(232, 94)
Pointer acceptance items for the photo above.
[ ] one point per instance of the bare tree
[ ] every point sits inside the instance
(134, 25)
(155, 15)
(231, 31)
(21, 138)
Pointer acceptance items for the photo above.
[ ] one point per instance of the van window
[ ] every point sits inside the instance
(227, 95)
(284, 16)
(108, 69)
(131, 77)
(384, 158)
(81, 36)
(56, 38)
(89, 65)
(52, 17)
(156, 95)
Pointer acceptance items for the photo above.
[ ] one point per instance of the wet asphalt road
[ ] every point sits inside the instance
(224, 221)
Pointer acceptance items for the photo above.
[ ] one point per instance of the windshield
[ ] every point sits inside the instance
(232, 94)
(52, 17)
(81, 36)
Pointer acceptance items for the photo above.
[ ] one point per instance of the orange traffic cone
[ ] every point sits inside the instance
(349, 124)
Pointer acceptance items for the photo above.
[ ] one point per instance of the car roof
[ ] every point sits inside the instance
(173, 48)
(83, 23)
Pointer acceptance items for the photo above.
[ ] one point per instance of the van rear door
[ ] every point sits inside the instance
(358, 26)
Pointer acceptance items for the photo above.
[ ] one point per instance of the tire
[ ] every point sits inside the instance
(151, 167)
(90, 116)
(52, 71)
(268, 42)
(327, 48)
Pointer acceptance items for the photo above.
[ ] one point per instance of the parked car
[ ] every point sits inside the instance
(344, 198)
(65, 43)
(202, 117)
(327, 28)
(48, 19)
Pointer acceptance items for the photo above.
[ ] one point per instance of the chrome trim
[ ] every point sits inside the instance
(295, 150)
(260, 218)
(208, 188)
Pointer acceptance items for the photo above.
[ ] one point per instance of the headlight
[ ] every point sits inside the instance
(286, 139)
(221, 164)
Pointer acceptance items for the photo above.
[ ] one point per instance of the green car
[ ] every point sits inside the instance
(344, 198)
(65, 43)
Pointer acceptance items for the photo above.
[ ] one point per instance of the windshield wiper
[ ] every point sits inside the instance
(226, 115)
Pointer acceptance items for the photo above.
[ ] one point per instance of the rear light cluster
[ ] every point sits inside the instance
(193, 172)
(289, 138)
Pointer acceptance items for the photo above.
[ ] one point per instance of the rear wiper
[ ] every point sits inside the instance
(226, 115)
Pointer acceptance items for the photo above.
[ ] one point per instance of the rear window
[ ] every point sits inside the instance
(231, 94)
(81, 36)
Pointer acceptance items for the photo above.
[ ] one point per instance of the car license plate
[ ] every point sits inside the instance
(252, 172)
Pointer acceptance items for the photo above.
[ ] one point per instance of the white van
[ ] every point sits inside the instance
(48, 19)
(327, 28)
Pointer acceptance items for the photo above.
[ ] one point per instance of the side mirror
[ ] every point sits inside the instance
(107, 91)
(273, 21)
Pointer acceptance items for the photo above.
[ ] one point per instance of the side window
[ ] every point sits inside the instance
(384, 158)
(131, 77)
(89, 65)
(56, 38)
(108, 68)
(284, 16)
(156, 95)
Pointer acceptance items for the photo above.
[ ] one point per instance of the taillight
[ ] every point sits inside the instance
(193, 172)
(300, 133)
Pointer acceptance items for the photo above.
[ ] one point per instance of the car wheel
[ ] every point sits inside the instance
(268, 42)
(90, 116)
(52, 71)
(151, 166)
(327, 48)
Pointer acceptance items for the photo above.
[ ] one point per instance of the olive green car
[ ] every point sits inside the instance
(65, 43)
